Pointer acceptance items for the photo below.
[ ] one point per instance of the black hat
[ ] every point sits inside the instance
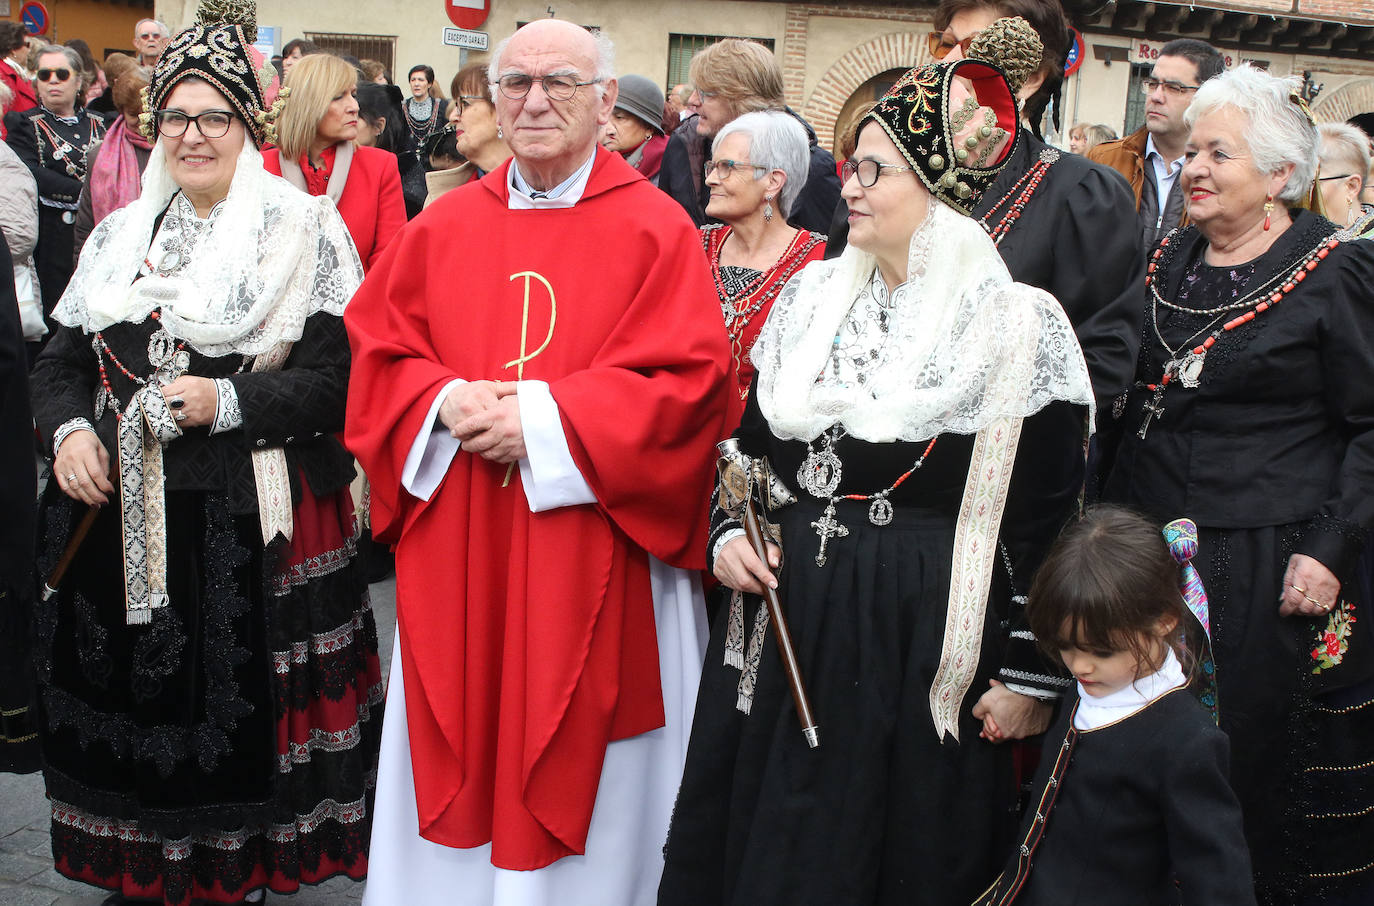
(956, 153)
(218, 49)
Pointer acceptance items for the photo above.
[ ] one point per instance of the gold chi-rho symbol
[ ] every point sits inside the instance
(518, 363)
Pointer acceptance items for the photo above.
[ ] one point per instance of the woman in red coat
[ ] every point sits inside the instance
(316, 153)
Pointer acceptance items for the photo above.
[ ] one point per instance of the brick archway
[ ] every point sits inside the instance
(1341, 104)
(898, 50)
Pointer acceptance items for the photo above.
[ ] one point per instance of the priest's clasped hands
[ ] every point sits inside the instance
(485, 417)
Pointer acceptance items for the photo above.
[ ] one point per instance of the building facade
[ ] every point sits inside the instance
(836, 54)
(106, 26)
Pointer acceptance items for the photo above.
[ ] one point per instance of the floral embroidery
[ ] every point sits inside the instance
(1333, 640)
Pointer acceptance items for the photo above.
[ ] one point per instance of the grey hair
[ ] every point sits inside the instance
(73, 59)
(605, 63)
(776, 141)
(1277, 131)
(161, 26)
(1346, 143)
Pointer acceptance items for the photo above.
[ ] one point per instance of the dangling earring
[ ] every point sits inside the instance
(1268, 211)
(499, 133)
(767, 209)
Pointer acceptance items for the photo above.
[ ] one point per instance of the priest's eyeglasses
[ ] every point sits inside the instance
(211, 123)
(1177, 89)
(868, 171)
(724, 167)
(558, 87)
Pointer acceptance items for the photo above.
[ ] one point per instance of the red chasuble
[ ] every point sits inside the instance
(527, 639)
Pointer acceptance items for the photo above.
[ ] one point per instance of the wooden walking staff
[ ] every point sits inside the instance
(753, 531)
(59, 572)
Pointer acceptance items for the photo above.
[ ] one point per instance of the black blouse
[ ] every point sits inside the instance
(1281, 428)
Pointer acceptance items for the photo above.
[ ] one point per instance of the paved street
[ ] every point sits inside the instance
(26, 874)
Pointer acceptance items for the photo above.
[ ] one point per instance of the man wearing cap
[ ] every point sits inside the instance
(636, 126)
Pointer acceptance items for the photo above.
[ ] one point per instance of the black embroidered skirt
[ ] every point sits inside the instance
(884, 812)
(1296, 700)
(231, 744)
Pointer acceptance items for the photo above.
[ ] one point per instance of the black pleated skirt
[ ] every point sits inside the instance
(884, 811)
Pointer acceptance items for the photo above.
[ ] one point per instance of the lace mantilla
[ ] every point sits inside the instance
(966, 346)
(268, 259)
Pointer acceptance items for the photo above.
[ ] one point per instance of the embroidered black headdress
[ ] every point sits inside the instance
(955, 123)
(219, 50)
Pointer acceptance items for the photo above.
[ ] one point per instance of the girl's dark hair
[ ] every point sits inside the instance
(384, 101)
(1050, 22)
(1108, 582)
(306, 47)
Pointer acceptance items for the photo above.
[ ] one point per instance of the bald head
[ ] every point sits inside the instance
(558, 88)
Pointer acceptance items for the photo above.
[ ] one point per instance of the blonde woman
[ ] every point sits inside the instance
(317, 153)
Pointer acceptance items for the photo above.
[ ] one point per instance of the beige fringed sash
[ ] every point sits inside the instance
(146, 426)
(975, 550)
(269, 465)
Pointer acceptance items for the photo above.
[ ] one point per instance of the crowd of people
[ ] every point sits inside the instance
(967, 522)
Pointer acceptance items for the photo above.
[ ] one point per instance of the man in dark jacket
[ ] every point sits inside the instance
(1151, 158)
(733, 77)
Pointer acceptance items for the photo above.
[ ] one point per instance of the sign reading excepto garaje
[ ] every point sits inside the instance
(461, 37)
(467, 13)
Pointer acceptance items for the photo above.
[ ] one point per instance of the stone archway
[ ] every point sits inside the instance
(897, 50)
(1341, 104)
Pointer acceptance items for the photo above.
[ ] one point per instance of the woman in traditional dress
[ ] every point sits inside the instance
(1344, 167)
(913, 390)
(758, 168)
(1253, 415)
(426, 109)
(316, 153)
(209, 683)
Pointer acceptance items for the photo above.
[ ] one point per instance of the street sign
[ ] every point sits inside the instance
(467, 13)
(35, 18)
(1075, 58)
(469, 40)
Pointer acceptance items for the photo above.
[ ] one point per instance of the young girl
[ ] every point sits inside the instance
(1131, 804)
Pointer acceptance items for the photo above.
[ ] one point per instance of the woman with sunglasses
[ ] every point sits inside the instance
(904, 392)
(210, 692)
(53, 139)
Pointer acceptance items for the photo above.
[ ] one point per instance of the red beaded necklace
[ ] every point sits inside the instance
(1026, 186)
(1188, 367)
(880, 512)
(102, 349)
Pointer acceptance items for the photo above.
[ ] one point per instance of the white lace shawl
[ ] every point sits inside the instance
(967, 345)
(271, 258)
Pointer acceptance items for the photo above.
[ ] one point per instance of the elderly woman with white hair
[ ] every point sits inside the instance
(1253, 415)
(757, 169)
(1345, 162)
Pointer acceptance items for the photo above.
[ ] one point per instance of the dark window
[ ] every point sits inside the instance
(681, 49)
(381, 48)
(1135, 98)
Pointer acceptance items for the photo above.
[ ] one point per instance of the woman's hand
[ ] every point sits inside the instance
(1309, 588)
(82, 469)
(193, 401)
(740, 568)
(1010, 715)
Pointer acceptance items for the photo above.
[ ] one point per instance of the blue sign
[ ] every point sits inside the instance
(35, 18)
(1075, 57)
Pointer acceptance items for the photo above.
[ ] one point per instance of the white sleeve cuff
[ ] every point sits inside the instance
(550, 476)
(725, 538)
(432, 451)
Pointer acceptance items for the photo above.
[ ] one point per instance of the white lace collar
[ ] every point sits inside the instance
(967, 346)
(1094, 713)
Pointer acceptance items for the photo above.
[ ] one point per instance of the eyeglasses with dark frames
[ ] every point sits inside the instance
(210, 123)
(868, 171)
(1329, 178)
(62, 74)
(724, 167)
(1177, 89)
(517, 85)
(467, 100)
